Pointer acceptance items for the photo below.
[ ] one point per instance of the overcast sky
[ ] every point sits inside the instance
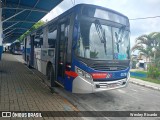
(130, 8)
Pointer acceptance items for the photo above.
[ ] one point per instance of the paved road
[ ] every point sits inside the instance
(22, 90)
(131, 98)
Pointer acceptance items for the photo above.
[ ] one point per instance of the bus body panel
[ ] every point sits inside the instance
(42, 57)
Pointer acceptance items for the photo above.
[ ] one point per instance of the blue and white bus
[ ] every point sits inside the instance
(85, 50)
(16, 48)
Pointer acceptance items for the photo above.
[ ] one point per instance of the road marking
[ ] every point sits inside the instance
(121, 91)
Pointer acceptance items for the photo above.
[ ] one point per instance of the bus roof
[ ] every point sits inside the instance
(76, 7)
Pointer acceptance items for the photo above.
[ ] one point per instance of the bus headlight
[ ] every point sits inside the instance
(79, 72)
(83, 74)
(88, 76)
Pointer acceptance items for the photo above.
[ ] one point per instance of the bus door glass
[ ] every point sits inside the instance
(32, 50)
(62, 52)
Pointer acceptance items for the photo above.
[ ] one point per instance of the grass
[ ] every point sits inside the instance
(148, 79)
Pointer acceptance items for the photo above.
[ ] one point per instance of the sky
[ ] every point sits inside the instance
(131, 8)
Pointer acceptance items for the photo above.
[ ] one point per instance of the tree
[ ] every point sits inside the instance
(146, 43)
(35, 26)
(157, 43)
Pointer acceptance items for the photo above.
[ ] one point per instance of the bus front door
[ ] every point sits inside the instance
(32, 51)
(62, 52)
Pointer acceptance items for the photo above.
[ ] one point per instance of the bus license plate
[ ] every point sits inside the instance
(112, 85)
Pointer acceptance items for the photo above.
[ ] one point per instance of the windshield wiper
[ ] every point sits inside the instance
(101, 34)
(119, 36)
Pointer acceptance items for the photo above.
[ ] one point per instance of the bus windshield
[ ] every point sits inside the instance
(102, 42)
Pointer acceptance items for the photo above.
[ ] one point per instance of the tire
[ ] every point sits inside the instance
(50, 76)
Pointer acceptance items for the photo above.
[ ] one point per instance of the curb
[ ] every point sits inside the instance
(145, 85)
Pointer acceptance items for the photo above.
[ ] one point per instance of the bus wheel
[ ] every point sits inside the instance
(50, 75)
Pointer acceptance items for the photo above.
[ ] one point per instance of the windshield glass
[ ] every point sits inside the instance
(103, 14)
(121, 43)
(102, 42)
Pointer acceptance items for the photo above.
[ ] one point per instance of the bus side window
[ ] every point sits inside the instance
(66, 31)
(38, 41)
(52, 36)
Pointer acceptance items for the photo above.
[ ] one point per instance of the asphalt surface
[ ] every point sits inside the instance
(131, 98)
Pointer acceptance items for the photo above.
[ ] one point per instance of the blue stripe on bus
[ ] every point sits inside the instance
(1, 50)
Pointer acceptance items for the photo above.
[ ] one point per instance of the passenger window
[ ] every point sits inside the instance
(66, 31)
(38, 41)
(52, 36)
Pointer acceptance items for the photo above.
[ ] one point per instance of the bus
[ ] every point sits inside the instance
(85, 49)
(16, 48)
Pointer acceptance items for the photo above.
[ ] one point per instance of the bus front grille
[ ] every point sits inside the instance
(107, 68)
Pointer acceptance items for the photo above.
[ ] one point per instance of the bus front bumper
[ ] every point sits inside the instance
(80, 85)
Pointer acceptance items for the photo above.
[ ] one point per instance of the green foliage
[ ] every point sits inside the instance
(134, 64)
(153, 72)
(93, 54)
(34, 27)
(145, 44)
(157, 62)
